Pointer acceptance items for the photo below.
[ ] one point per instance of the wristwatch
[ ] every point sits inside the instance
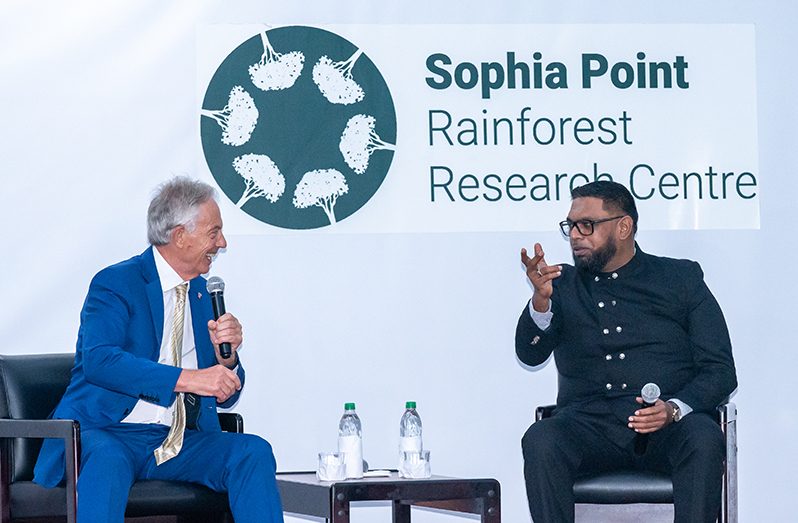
(677, 412)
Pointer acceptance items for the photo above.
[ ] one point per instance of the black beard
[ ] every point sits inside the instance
(596, 261)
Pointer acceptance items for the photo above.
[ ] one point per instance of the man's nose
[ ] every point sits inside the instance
(222, 241)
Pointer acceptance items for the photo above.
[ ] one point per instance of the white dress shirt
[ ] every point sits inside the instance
(144, 411)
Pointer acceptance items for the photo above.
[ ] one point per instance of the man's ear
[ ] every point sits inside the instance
(626, 227)
(178, 236)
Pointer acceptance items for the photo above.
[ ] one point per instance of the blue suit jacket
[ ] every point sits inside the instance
(116, 359)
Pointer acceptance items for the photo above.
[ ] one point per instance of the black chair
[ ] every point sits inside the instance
(30, 388)
(634, 486)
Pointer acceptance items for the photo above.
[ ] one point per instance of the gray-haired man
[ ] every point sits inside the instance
(147, 338)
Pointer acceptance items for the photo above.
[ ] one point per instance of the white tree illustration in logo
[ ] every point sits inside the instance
(359, 140)
(321, 188)
(261, 176)
(276, 71)
(237, 119)
(335, 82)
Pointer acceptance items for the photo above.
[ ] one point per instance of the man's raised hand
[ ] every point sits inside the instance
(226, 329)
(540, 274)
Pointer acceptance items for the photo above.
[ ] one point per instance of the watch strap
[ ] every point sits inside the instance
(676, 411)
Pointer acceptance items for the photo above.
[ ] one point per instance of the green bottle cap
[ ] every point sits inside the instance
(349, 406)
(410, 405)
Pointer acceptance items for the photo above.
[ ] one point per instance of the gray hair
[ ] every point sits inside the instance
(176, 202)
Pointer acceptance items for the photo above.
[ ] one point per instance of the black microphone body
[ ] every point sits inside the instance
(216, 290)
(650, 395)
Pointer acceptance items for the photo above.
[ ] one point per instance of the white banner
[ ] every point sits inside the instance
(491, 126)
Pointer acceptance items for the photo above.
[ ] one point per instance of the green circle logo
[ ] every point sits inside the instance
(298, 127)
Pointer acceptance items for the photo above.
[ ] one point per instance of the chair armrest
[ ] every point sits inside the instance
(727, 413)
(727, 417)
(65, 429)
(544, 411)
(231, 422)
(38, 428)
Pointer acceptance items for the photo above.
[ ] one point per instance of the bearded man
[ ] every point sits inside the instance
(616, 320)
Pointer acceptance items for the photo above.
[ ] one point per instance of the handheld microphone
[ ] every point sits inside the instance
(650, 394)
(215, 288)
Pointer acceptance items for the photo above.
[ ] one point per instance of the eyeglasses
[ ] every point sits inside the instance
(585, 227)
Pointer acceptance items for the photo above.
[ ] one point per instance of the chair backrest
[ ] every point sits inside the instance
(30, 388)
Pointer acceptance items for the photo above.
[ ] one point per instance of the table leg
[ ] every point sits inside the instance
(340, 512)
(401, 512)
(491, 506)
(491, 514)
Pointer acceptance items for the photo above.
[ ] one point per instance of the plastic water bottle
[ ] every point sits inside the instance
(410, 429)
(350, 441)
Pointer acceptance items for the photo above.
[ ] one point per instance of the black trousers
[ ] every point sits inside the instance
(557, 449)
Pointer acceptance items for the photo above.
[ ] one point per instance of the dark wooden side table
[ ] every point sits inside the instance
(303, 494)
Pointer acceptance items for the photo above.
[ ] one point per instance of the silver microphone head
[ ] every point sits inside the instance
(650, 392)
(216, 284)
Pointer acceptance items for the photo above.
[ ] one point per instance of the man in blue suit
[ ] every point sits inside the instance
(142, 348)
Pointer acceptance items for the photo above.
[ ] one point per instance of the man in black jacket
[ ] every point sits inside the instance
(616, 320)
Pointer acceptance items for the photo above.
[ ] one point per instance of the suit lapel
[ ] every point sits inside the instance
(198, 298)
(154, 296)
(200, 310)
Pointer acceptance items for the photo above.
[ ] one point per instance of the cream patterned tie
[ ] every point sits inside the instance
(174, 440)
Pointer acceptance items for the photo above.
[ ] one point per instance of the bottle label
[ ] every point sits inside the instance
(352, 448)
(410, 444)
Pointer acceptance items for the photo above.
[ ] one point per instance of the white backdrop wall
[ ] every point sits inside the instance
(100, 105)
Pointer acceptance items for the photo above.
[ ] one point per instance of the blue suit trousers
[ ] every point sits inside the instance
(112, 458)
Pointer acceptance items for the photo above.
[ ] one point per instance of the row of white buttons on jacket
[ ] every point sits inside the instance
(618, 329)
(601, 305)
